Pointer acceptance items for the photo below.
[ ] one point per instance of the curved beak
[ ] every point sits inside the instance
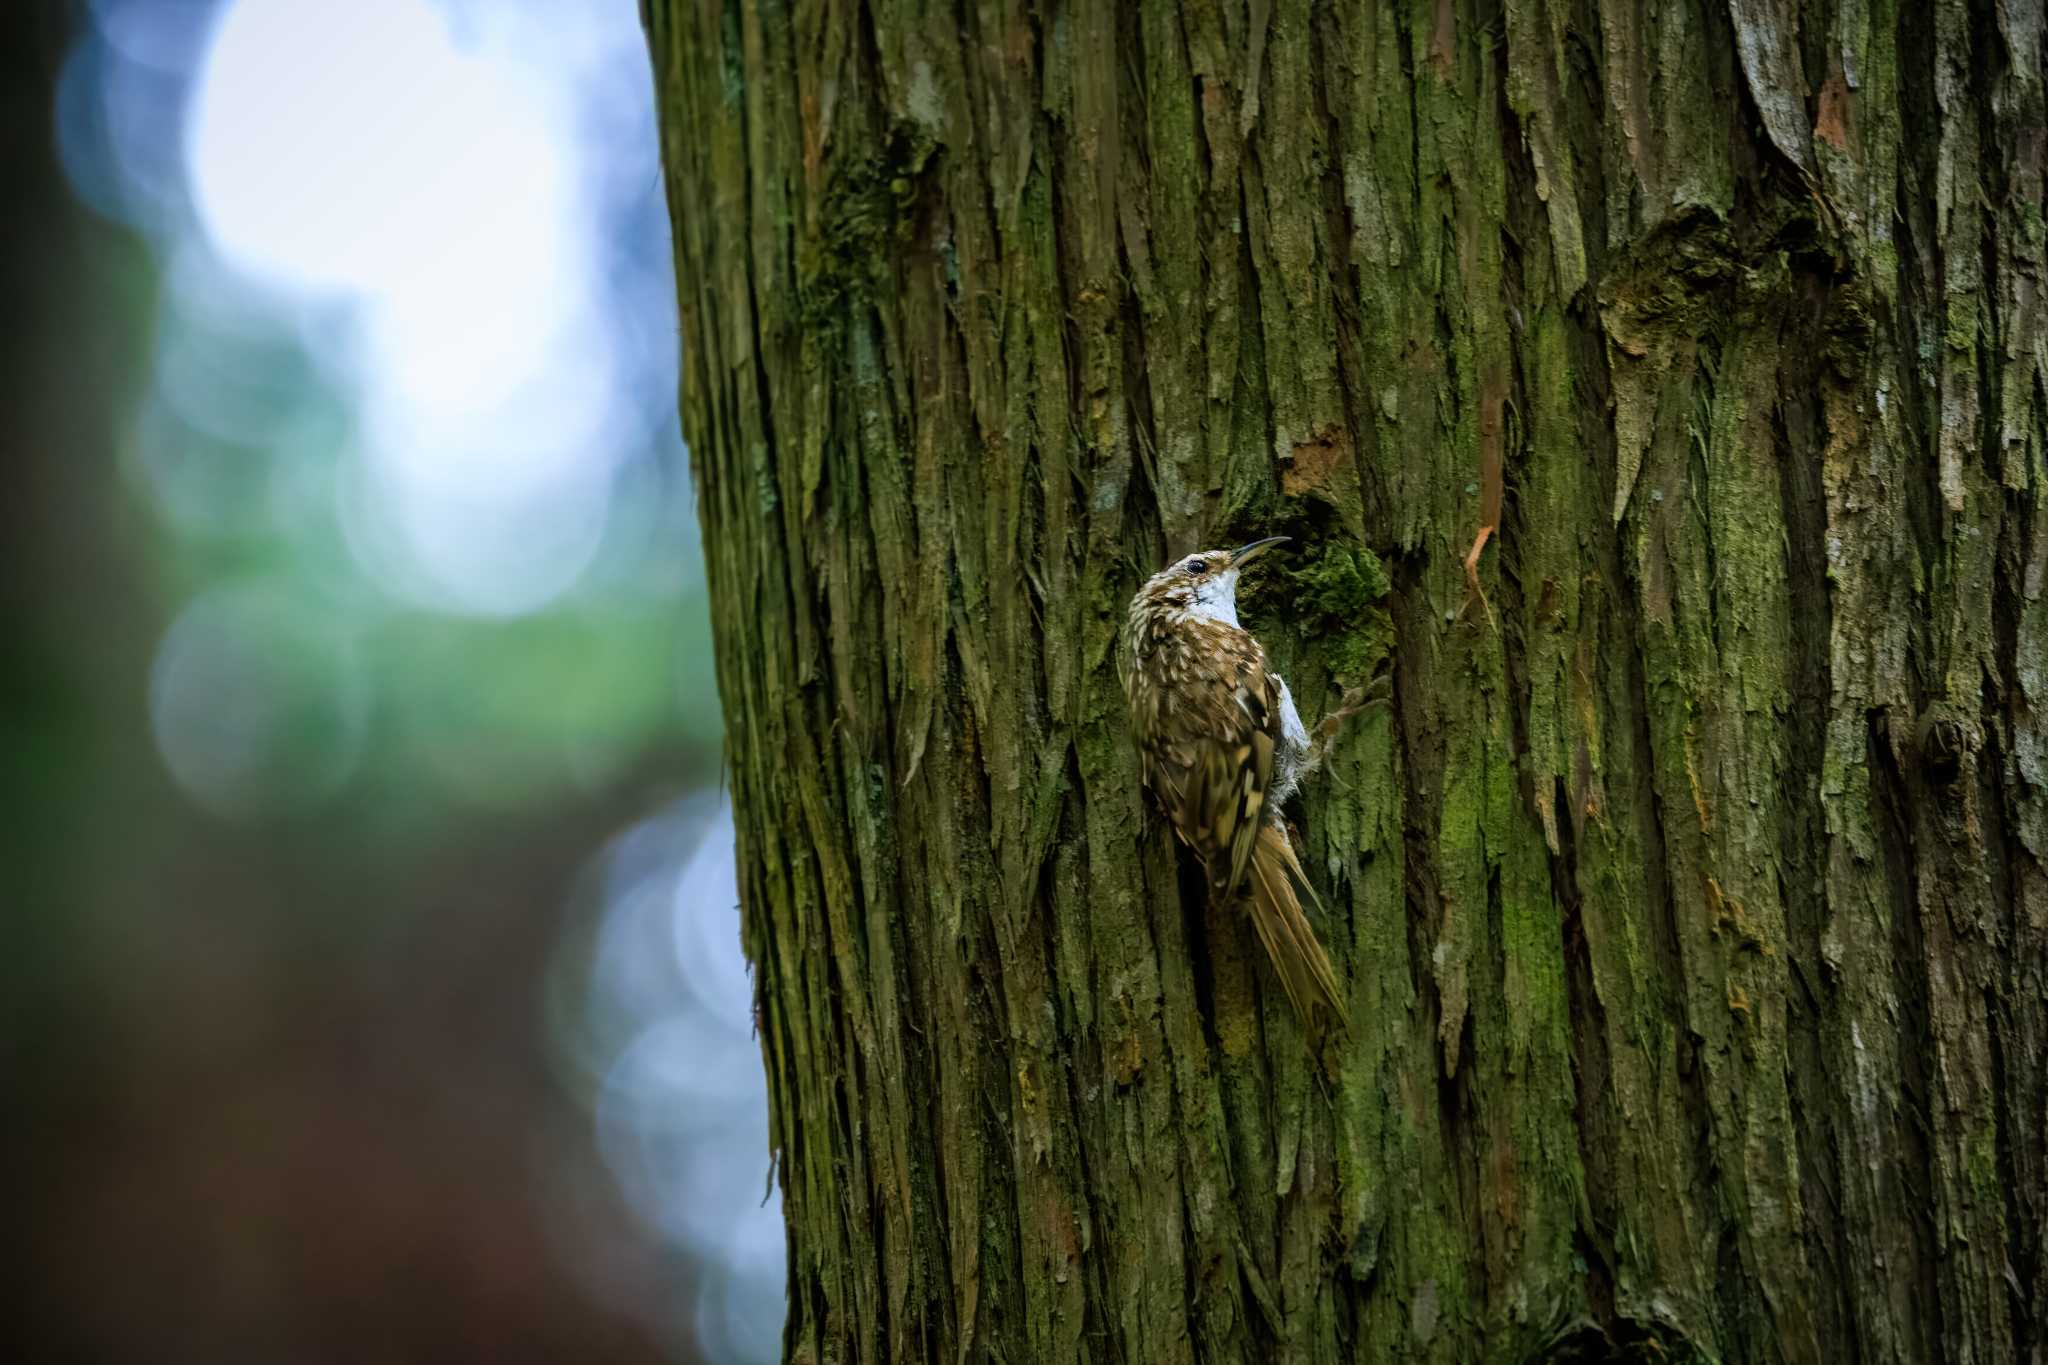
(1245, 554)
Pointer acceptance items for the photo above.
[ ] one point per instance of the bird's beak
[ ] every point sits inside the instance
(1247, 553)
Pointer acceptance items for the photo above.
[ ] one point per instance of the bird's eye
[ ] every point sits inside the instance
(1195, 566)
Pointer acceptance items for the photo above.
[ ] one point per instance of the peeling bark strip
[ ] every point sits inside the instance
(1690, 899)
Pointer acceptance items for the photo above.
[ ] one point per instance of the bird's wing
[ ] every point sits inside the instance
(1213, 771)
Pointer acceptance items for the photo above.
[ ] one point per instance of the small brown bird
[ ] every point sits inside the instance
(1222, 747)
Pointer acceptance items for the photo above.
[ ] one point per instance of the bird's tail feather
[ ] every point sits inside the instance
(1298, 957)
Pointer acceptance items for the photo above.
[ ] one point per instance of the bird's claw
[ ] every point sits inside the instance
(1378, 692)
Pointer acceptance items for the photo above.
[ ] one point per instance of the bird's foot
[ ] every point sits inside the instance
(1378, 692)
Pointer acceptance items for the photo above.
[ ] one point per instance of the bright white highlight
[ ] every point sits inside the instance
(682, 1111)
(358, 154)
(352, 147)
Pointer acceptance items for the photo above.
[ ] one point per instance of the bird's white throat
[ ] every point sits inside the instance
(1216, 598)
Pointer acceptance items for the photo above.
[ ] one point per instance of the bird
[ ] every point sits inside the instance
(1221, 746)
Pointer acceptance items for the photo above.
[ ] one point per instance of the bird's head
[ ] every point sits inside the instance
(1200, 584)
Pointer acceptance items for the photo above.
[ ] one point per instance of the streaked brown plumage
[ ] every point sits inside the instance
(1222, 746)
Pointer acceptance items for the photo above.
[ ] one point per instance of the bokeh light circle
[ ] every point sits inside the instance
(258, 700)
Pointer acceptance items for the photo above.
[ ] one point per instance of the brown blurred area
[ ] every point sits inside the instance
(266, 1100)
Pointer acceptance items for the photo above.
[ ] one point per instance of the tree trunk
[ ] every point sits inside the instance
(1659, 390)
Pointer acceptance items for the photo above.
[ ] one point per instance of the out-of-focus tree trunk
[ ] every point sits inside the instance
(1690, 894)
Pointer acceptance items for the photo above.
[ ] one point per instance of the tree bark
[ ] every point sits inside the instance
(1659, 391)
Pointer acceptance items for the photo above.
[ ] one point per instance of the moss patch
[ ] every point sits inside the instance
(1336, 597)
(867, 212)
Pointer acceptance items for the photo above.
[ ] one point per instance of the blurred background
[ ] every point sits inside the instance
(371, 984)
